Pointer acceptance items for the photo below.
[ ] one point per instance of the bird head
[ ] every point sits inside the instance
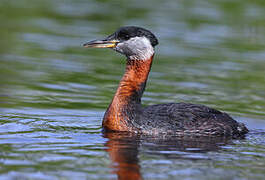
(134, 42)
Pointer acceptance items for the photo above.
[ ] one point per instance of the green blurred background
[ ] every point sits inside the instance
(210, 52)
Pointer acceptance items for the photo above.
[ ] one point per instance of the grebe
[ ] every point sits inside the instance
(125, 112)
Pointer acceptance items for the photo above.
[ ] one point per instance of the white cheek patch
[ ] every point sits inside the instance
(137, 48)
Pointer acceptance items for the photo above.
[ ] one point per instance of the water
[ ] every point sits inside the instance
(54, 92)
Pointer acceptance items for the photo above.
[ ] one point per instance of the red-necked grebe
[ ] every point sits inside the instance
(125, 112)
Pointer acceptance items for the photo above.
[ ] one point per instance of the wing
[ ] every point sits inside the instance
(189, 119)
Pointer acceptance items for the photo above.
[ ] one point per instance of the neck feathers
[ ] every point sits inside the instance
(126, 103)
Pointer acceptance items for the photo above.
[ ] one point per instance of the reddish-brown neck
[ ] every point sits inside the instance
(126, 103)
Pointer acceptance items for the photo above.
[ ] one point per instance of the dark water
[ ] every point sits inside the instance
(54, 92)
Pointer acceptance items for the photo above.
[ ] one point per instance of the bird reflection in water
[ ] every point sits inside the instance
(123, 149)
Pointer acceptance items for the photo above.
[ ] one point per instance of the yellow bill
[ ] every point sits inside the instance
(101, 44)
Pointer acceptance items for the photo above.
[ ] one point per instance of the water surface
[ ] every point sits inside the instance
(54, 92)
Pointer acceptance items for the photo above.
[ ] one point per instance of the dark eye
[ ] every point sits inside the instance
(124, 35)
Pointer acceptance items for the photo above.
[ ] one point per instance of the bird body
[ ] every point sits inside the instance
(126, 113)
